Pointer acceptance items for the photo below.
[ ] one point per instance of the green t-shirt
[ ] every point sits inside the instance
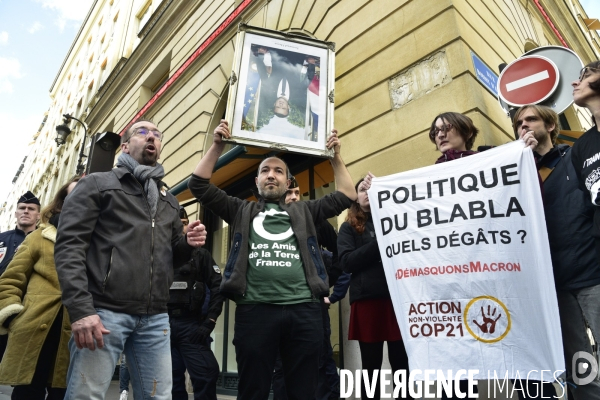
(275, 272)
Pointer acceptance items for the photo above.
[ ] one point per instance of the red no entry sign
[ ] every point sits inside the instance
(528, 80)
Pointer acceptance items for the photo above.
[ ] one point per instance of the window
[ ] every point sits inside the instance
(155, 80)
(144, 14)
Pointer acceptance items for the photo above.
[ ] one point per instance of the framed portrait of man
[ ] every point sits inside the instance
(281, 91)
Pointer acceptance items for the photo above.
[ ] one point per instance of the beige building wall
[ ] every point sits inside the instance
(97, 49)
(399, 63)
(109, 34)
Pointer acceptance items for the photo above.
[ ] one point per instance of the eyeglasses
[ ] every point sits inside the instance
(152, 132)
(444, 128)
(586, 72)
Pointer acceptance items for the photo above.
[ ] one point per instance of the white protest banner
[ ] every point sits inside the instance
(466, 257)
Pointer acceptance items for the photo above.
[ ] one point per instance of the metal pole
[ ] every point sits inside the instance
(80, 166)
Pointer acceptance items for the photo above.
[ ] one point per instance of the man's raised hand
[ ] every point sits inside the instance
(196, 234)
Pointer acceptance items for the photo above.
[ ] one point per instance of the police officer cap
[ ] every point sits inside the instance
(182, 213)
(28, 198)
(293, 182)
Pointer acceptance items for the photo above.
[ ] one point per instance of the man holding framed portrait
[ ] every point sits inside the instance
(274, 273)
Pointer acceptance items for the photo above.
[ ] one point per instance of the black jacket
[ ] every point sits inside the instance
(9, 243)
(239, 214)
(327, 239)
(586, 160)
(359, 255)
(199, 272)
(110, 253)
(569, 218)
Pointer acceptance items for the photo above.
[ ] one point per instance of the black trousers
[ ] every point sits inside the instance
(263, 330)
(36, 390)
(3, 343)
(371, 355)
(328, 386)
(197, 358)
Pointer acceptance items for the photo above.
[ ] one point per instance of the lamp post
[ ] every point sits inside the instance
(63, 131)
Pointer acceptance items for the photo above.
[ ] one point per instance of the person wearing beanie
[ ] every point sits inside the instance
(27, 215)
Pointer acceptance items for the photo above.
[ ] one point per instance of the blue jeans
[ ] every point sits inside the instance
(579, 309)
(123, 375)
(145, 340)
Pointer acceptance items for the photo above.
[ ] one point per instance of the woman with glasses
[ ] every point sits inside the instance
(454, 135)
(33, 316)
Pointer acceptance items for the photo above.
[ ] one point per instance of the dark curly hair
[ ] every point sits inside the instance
(463, 125)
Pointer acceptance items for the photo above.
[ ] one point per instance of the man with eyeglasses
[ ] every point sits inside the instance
(120, 237)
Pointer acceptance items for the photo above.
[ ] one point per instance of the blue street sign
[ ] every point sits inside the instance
(485, 75)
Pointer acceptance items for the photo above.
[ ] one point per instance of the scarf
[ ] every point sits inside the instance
(454, 155)
(147, 175)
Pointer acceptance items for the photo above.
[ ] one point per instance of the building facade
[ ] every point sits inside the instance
(108, 35)
(399, 63)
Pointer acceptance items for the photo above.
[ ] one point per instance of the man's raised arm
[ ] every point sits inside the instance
(205, 167)
(343, 180)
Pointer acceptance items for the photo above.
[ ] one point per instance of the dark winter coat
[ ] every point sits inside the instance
(110, 253)
(359, 255)
(239, 213)
(29, 289)
(9, 243)
(569, 218)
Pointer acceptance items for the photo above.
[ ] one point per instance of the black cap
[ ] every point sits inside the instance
(293, 182)
(182, 213)
(28, 198)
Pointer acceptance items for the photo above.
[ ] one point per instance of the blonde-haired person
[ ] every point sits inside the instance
(32, 314)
